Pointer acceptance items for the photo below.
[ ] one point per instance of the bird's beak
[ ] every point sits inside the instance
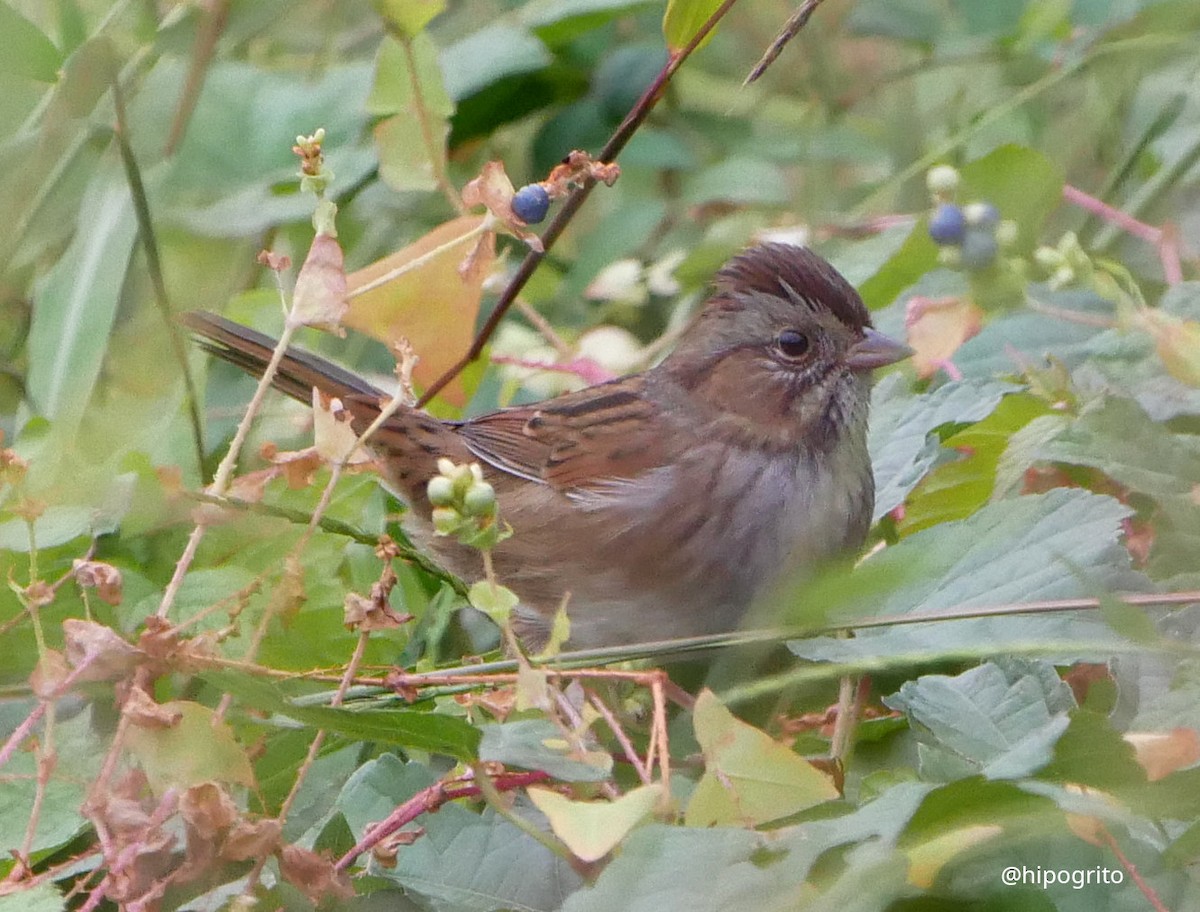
(876, 350)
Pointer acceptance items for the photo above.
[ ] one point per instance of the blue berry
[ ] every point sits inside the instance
(982, 215)
(979, 248)
(947, 224)
(531, 203)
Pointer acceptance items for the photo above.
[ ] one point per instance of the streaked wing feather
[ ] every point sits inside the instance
(577, 441)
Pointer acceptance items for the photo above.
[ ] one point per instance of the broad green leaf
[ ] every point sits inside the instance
(44, 897)
(902, 451)
(403, 727)
(196, 749)
(1023, 183)
(742, 180)
(955, 490)
(408, 90)
(539, 745)
(927, 858)
(75, 304)
(996, 720)
(592, 829)
(487, 56)
(27, 52)
(684, 18)
(462, 860)
(1064, 543)
(1115, 436)
(60, 819)
(716, 869)
(749, 778)
(558, 22)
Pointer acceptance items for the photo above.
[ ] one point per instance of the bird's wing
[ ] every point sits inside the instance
(578, 441)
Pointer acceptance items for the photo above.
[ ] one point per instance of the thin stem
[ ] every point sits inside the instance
(621, 136)
(146, 234)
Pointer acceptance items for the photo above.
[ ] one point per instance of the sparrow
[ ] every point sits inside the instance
(661, 504)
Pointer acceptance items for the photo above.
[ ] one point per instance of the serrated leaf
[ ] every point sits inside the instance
(463, 861)
(537, 744)
(1064, 543)
(592, 829)
(899, 442)
(749, 778)
(999, 721)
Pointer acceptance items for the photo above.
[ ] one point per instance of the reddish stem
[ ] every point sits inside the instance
(429, 800)
(1162, 240)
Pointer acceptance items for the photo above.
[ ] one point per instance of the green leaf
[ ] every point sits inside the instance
(1061, 544)
(196, 749)
(463, 861)
(749, 778)
(717, 869)
(409, 17)
(409, 89)
(558, 22)
(684, 18)
(538, 744)
(1022, 182)
(1115, 436)
(496, 601)
(744, 180)
(406, 728)
(902, 451)
(489, 55)
(27, 52)
(957, 489)
(75, 304)
(1000, 721)
(592, 829)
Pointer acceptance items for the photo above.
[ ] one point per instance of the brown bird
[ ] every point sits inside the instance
(664, 502)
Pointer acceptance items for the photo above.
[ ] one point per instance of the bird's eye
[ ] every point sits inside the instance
(792, 343)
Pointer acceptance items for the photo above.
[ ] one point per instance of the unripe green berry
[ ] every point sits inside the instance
(981, 215)
(440, 491)
(446, 520)
(942, 180)
(1007, 233)
(480, 500)
(950, 257)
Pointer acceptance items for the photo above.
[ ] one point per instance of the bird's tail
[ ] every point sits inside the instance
(299, 371)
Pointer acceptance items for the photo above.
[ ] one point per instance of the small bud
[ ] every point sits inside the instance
(1007, 233)
(446, 520)
(440, 491)
(446, 467)
(942, 180)
(480, 500)
(950, 256)
(981, 215)
(1048, 258)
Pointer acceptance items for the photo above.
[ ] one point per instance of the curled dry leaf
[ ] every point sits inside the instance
(335, 440)
(936, 328)
(142, 710)
(49, 674)
(97, 653)
(1163, 753)
(312, 874)
(320, 296)
(104, 578)
(208, 810)
(252, 839)
(493, 190)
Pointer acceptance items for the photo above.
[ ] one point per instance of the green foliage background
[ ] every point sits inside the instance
(1059, 458)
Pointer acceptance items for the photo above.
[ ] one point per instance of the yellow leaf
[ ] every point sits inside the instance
(190, 752)
(432, 305)
(749, 778)
(591, 829)
(926, 859)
